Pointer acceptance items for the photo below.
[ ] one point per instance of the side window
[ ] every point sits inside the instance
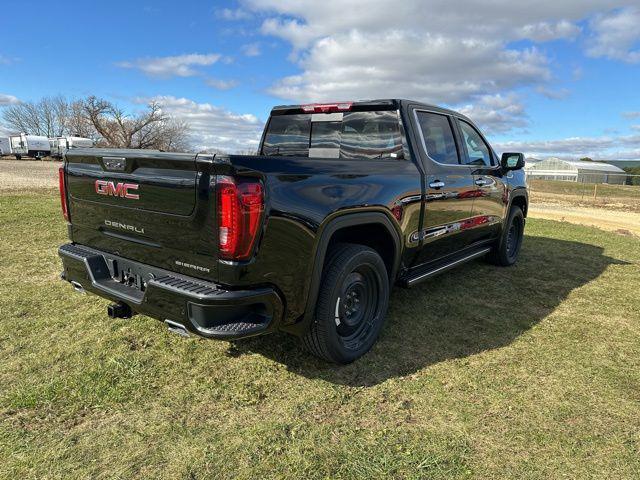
(478, 152)
(438, 137)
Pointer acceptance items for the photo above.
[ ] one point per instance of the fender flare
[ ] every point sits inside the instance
(516, 193)
(325, 233)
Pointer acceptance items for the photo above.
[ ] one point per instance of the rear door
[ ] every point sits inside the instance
(450, 187)
(489, 204)
(148, 206)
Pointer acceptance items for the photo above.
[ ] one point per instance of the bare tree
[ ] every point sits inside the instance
(22, 117)
(100, 120)
(77, 123)
(46, 117)
(168, 135)
(150, 128)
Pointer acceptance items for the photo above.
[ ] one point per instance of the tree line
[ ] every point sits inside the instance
(633, 180)
(101, 120)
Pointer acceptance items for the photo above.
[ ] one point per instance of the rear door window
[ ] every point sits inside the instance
(438, 137)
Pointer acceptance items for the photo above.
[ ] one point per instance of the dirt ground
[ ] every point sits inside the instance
(18, 175)
(617, 221)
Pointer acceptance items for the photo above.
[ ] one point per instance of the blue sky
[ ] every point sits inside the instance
(560, 78)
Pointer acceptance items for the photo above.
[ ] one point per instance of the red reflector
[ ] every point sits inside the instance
(327, 107)
(240, 207)
(63, 194)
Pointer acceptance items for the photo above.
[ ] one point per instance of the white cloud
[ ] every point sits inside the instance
(302, 21)
(631, 115)
(251, 49)
(399, 64)
(8, 99)
(553, 94)
(547, 31)
(497, 113)
(233, 14)
(616, 35)
(623, 147)
(179, 65)
(220, 84)
(213, 128)
(439, 51)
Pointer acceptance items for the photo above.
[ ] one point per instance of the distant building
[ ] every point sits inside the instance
(576, 171)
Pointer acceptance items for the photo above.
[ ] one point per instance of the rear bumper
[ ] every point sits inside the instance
(202, 307)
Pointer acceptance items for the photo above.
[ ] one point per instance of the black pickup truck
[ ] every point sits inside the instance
(342, 202)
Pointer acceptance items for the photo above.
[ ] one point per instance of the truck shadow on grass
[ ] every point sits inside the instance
(473, 308)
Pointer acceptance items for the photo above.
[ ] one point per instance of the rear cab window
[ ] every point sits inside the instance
(354, 135)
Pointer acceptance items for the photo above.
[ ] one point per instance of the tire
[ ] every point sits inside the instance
(18, 157)
(506, 251)
(352, 304)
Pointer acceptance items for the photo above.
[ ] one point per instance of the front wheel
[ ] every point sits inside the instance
(505, 252)
(352, 304)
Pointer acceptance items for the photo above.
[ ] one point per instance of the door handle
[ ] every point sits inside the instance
(481, 182)
(437, 184)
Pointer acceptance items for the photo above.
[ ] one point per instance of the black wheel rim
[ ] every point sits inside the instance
(513, 238)
(358, 307)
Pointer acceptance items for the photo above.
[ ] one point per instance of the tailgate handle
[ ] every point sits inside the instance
(118, 164)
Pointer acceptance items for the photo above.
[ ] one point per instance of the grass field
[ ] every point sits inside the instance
(527, 372)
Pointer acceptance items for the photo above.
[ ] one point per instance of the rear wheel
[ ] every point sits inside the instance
(18, 157)
(352, 304)
(506, 251)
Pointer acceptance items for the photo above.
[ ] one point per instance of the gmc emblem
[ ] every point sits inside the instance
(104, 187)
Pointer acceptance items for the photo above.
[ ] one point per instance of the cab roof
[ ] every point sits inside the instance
(359, 105)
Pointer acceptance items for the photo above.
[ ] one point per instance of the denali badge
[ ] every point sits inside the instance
(103, 187)
(123, 226)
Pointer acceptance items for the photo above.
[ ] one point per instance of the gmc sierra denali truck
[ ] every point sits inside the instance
(342, 202)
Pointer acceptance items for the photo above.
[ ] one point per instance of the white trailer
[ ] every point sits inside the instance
(5, 146)
(60, 144)
(34, 146)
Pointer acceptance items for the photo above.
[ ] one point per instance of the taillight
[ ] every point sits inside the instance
(63, 194)
(240, 207)
(327, 107)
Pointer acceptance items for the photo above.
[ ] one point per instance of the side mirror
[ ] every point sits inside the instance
(512, 161)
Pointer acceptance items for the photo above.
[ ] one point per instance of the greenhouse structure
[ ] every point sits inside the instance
(576, 171)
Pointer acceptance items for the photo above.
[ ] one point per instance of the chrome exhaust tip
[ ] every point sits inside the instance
(177, 328)
(77, 287)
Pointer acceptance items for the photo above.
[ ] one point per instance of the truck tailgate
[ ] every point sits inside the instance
(143, 205)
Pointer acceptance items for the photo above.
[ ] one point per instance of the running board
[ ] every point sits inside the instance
(424, 274)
